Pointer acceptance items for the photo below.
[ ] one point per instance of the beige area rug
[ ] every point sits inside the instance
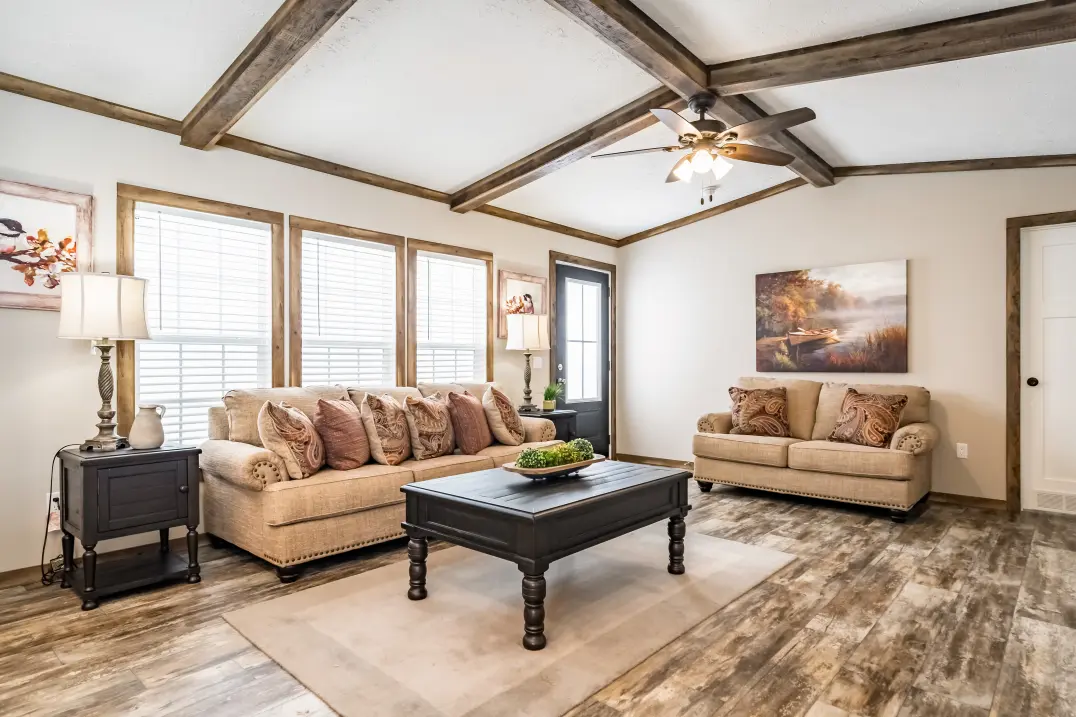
(367, 650)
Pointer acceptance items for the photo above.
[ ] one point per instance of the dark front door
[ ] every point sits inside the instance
(583, 350)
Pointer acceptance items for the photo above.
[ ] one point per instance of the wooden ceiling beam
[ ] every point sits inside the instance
(613, 127)
(291, 31)
(959, 165)
(1015, 28)
(631, 32)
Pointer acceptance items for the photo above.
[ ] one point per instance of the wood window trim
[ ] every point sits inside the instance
(296, 227)
(556, 257)
(1013, 383)
(126, 196)
(414, 246)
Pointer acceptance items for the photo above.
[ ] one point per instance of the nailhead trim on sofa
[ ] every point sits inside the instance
(808, 495)
(310, 556)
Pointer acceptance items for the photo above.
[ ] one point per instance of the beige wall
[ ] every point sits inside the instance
(49, 385)
(686, 326)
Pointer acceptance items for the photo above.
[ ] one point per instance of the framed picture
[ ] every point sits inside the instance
(519, 294)
(851, 318)
(43, 233)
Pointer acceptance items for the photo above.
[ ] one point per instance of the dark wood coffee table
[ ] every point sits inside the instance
(532, 523)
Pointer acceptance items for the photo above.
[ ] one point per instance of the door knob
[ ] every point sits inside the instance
(1033, 381)
(560, 367)
(183, 489)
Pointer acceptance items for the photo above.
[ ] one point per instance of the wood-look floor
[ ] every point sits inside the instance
(959, 613)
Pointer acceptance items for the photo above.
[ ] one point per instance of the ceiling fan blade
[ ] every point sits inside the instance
(759, 155)
(768, 125)
(637, 151)
(672, 175)
(675, 122)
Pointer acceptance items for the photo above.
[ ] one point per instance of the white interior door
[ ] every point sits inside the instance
(1048, 368)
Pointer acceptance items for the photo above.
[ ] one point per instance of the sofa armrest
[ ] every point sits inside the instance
(538, 429)
(246, 466)
(715, 423)
(916, 438)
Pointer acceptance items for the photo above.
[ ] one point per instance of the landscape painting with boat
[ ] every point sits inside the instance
(850, 318)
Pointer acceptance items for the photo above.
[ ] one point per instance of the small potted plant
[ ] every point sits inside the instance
(550, 395)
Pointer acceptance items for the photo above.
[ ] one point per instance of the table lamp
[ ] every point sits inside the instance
(103, 308)
(526, 333)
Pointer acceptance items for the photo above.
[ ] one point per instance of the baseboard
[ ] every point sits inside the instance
(968, 500)
(650, 461)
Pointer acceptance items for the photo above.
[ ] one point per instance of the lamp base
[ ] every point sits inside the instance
(528, 408)
(103, 445)
(106, 439)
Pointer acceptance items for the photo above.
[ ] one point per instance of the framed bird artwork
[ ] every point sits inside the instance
(44, 232)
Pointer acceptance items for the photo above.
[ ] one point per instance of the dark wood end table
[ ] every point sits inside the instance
(106, 495)
(533, 523)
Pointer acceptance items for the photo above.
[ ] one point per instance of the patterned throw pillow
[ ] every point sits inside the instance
(760, 411)
(386, 429)
(430, 426)
(868, 419)
(469, 423)
(502, 417)
(287, 432)
(339, 424)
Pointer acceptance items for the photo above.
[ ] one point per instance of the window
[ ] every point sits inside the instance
(349, 304)
(209, 305)
(452, 320)
(583, 338)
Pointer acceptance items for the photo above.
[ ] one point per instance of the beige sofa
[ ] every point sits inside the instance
(896, 477)
(248, 500)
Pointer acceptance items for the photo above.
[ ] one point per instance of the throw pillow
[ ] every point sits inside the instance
(503, 419)
(868, 419)
(760, 411)
(386, 429)
(468, 423)
(339, 424)
(430, 426)
(287, 431)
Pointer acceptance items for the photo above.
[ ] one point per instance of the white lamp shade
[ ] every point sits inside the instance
(528, 332)
(102, 306)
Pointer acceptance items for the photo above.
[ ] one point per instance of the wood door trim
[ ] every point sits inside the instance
(296, 227)
(414, 246)
(610, 269)
(1014, 227)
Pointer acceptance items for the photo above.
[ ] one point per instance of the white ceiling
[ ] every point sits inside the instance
(159, 56)
(735, 29)
(443, 93)
(1004, 105)
(620, 196)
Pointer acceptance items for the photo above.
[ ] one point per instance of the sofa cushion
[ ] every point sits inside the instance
(386, 429)
(763, 450)
(475, 389)
(850, 459)
(331, 492)
(760, 411)
(802, 401)
(290, 434)
(503, 418)
(502, 454)
(868, 419)
(400, 393)
(242, 406)
(831, 398)
(446, 466)
(339, 424)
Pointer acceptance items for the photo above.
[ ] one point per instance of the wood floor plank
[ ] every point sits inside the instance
(951, 561)
(1055, 531)
(1049, 587)
(928, 704)
(1039, 674)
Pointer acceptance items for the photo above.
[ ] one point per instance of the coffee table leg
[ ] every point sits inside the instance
(677, 531)
(534, 611)
(417, 549)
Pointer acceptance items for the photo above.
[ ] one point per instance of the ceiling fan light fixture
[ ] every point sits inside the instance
(721, 167)
(683, 170)
(702, 161)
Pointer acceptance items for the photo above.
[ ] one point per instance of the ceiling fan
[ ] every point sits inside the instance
(709, 141)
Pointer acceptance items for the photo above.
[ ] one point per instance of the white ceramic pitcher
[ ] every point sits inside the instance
(147, 431)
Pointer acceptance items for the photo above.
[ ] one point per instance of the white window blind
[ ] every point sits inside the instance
(450, 318)
(208, 308)
(349, 311)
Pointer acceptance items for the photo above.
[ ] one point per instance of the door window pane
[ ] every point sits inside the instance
(584, 331)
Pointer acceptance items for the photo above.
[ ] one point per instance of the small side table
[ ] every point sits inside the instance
(106, 495)
(562, 418)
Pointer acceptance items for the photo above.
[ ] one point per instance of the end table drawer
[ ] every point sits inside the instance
(142, 495)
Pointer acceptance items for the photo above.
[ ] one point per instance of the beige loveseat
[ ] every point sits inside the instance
(248, 500)
(896, 477)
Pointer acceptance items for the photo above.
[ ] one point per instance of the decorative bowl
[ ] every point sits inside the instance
(553, 471)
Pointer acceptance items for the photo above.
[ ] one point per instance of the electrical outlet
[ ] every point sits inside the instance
(538, 363)
(54, 511)
(961, 450)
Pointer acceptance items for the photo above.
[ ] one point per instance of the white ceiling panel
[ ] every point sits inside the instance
(620, 196)
(158, 56)
(735, 29)
(443, 93)
(1012, 104)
